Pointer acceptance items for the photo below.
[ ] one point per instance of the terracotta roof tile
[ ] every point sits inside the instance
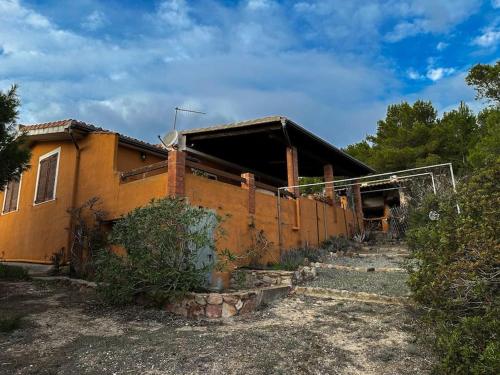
(88, 127)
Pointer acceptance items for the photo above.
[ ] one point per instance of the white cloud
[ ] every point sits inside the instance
(495, 3)
(489, 38)
(435, 74)
(259, 4)
(441, 46)
(94, 20)
(413, 74)
(234, 64)
(174, 13)
(428, 16)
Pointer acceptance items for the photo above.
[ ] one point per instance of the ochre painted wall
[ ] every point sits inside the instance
(128, 159)
(34, 233)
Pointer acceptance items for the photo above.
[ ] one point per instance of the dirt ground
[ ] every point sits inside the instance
(64, 331)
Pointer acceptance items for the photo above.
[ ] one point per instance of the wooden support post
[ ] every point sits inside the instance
(329, 190)
(358, 206)
(292, 168)
(176, 173)
(249, 184)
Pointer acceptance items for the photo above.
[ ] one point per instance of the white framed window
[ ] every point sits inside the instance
(11, 195)
(46, 179)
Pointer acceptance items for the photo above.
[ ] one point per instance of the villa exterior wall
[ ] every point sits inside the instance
(34, 232)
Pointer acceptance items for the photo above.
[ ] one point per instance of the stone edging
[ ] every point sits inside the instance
(75, 282)
(225, 305)
(348, 295)
(361, 269)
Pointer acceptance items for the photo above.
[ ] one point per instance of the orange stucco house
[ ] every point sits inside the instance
(234, 169)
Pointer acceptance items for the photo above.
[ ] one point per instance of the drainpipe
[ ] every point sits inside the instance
(74, 191)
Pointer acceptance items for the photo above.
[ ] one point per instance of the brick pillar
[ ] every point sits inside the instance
(249, 184)
(176, 173)
(358, 205)
(328, 177)
(292, 169)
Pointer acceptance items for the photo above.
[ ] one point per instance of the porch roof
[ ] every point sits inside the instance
(260, 145)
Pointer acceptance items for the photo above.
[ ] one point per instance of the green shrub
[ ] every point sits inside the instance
(12, 273)
(294, 258)
(457, 273)
(336, 244)
(471, 346)
(162, 242)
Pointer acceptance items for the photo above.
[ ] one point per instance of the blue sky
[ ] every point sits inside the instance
(332, 66)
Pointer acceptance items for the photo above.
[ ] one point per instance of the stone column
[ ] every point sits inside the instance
(292, 168)
(249, 184)
(176, 173)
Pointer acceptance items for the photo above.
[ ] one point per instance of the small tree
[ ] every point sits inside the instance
(486, 81)
(14, 155)
(162, 241)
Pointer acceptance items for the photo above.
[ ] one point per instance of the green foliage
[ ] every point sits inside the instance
(486, 80)
(294, 258)
(13, 273)
(310, 189)
(10, 323)
(162, 241)
(487, 149)
(471, 346)
(14, 155)
(412, 135)
(337, 244)
(457, 276)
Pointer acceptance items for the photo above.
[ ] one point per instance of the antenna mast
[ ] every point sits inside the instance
(177, 109)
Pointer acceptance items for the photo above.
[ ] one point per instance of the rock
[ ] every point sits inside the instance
(248, 306)
(214, 299)
(266, 279)
(228, 310)
(239, 304)
(286, 281)
(230, 299)
(213, 311)
(196, 311)
(200, 299)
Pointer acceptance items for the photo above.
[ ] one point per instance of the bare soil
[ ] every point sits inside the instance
(66, 331)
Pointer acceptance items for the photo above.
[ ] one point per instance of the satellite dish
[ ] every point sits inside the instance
(171, 139)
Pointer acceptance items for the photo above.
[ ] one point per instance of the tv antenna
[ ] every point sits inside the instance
(171, 139)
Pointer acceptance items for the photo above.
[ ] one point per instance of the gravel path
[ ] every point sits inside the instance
(376, 262)
(384, 283)
(65, 332)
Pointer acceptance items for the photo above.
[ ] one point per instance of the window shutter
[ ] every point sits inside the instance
(8, 196)
(51, 177)
(14, 186)
(42, 181)
(11, 194)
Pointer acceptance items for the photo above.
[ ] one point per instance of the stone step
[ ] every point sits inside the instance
(349, 295)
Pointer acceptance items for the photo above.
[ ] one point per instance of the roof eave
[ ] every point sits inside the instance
(329, 145)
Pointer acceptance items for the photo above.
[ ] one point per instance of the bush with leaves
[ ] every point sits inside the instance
(457, 277)
(294, 258)
(162, 242)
